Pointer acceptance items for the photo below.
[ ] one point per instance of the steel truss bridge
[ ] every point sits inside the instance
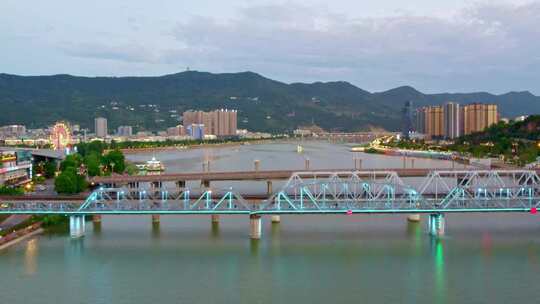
(312, 192)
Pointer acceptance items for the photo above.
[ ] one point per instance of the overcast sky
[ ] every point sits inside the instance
(435, 46)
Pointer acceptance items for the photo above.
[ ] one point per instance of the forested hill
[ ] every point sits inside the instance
(263, 104)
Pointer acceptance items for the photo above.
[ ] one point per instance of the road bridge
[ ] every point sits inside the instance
(311, 192)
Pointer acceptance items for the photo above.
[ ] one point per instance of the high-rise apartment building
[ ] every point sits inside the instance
(407, 119)
(430, 121)
(452, 120)
(100, 126)
(176, 131)
(196, 131)
(218, 122)
(477, 117)
(125, 131)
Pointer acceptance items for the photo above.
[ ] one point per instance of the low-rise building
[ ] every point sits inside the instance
(16, 167)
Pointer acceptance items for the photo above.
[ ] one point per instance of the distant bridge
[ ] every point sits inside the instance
(313, 192)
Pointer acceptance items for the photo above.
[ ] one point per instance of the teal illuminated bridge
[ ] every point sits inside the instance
(347, 192)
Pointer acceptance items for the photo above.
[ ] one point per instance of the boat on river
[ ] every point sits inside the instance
(152, 166)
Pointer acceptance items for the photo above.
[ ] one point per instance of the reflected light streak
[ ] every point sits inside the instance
(31, 252)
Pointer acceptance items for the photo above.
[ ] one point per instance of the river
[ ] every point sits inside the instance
(304, 259)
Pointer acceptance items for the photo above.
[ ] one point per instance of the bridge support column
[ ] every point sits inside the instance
(276, 219)
(155, 218)
(255, 225)
(413, 217)
(306, 163)
(96, 218)
(436, 224)
(215, 218)
(181, 184)
(76, 226)
(269, 189)
(205, 183)
(256, 165)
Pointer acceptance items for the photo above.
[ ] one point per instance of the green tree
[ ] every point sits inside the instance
(72, 160)
(70, 182)
(92, 162)
(49, 169)
(95, 146)
(11, 191)
(115, 159)
(65, 183)
(131, 169)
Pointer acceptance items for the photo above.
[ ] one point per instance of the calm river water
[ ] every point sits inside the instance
(304, 259)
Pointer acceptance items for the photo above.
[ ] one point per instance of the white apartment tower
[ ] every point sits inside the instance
(100, 126)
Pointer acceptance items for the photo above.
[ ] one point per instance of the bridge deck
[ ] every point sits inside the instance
(260, 175)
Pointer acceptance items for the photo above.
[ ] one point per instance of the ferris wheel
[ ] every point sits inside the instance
(60, 136)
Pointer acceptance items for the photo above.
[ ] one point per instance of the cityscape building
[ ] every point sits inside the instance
(100, 127)
(430, 121)
(197, 131)
(219, 122)
(478, 116)
(407, 119)
(12, 131)
(16, 167)
(176, 131)
(126, 131)
(452, 120)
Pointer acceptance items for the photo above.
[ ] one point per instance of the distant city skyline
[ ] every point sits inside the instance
(450, 46)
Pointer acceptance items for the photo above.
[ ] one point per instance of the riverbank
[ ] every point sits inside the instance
(191, 147)
(20, 235)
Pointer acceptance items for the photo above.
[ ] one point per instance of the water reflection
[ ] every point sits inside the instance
(215, 230)
(76, 246)
(156, 230)
(440, 269)
(275, 236)
(96, 229)
(254, 247)
(31, 252)
(415, 234)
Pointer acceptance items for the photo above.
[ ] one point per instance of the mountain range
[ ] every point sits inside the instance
(155, 103)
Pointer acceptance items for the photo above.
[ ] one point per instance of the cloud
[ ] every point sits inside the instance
(487, 45)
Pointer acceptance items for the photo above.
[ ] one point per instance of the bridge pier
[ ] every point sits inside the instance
(205, 183)
(276, 219)
(181, 184)
(96, 218)
(269, 189)
(436, 224)
(155, 218)
(255, 225)
(76, 226)
(215, 218)
(413, 217)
